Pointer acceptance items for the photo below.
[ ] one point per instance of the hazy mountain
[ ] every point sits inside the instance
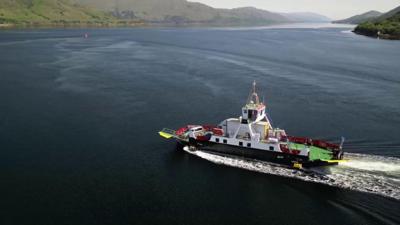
(357, 19)
(392, 13)
(250, 15)
(182, 11)
(306, 17)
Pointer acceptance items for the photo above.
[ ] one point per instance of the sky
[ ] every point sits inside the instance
(335, 9)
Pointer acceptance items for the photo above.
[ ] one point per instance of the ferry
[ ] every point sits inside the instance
(252, 135)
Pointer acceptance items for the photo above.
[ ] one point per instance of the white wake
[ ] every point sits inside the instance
(365, 173)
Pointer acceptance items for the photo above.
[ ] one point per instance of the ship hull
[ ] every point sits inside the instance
(251, 153)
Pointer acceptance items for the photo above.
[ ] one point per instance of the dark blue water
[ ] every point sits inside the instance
(79, 120)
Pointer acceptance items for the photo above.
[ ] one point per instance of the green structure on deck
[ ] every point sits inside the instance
(315, 152)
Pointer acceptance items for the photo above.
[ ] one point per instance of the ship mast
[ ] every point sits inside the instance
(253, 97)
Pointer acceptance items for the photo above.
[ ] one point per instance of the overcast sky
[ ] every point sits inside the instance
(335, 9)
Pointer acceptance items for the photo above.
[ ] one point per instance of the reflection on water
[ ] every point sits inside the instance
(292, 26)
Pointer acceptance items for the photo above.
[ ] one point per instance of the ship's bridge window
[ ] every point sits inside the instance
(253, 114)
(194, 129)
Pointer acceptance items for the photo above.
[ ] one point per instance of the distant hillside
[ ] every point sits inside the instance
(368, 16)
(248, 15)
(182, 11)
(306, 17)
(392, 13)
(48, 12)
(166, 12)
(387, 26)
(154, 10)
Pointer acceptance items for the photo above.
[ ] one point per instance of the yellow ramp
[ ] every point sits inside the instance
(165, 135)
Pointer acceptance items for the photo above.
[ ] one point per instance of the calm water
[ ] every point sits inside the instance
(79, 120)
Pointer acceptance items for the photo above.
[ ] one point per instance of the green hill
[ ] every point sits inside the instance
(123, 12)
(111, 12)
(49, 12)
(386, 26)
(183, 12)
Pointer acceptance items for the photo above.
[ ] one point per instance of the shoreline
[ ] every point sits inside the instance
(378, 36)
(5, 25)
(137, 24)
(70, 25)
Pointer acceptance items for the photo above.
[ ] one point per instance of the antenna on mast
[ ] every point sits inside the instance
(253, 97)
